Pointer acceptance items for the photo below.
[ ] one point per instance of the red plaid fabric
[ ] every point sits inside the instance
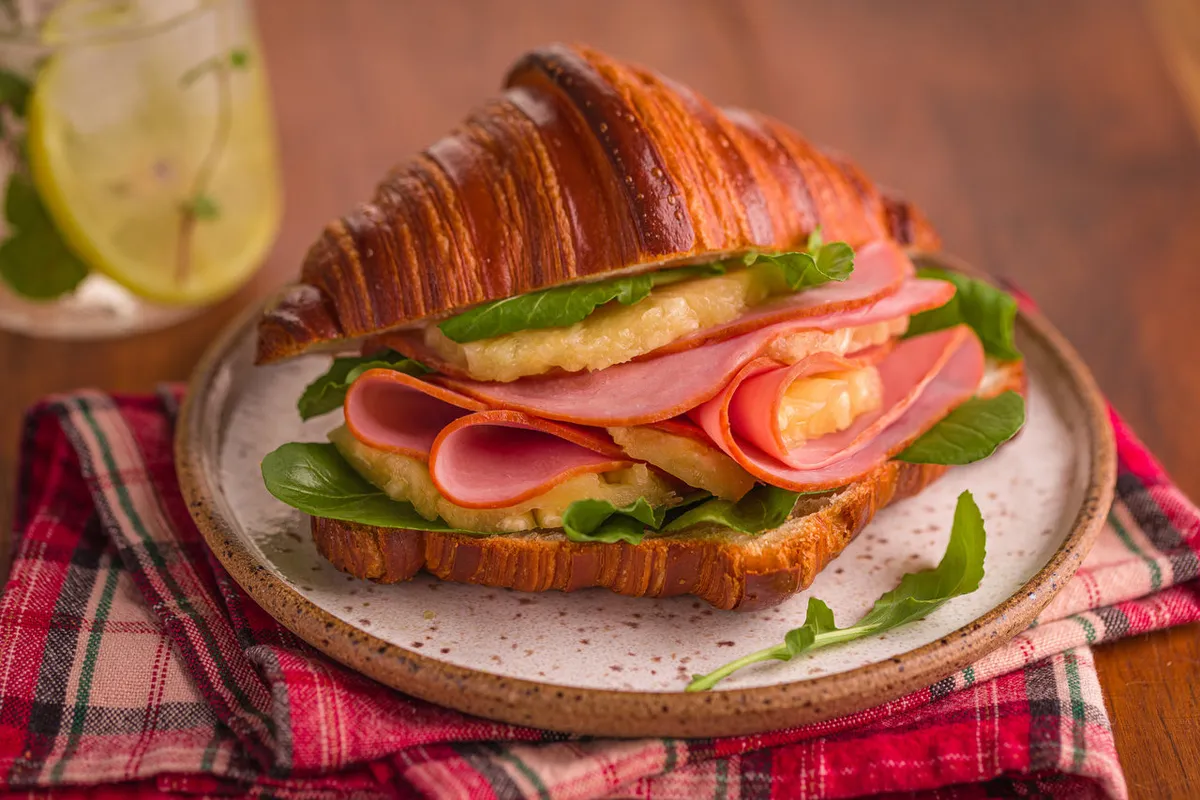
(131, 663)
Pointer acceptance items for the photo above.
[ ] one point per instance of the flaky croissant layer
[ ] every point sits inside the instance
(584, 166)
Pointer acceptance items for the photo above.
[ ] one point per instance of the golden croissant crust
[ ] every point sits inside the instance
(584, 166)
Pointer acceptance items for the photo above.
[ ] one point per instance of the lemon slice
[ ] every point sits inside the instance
(159, 176)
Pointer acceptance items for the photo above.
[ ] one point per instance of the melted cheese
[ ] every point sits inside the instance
(613, 333)
(407, 479)
(813, 407)
(693, 463)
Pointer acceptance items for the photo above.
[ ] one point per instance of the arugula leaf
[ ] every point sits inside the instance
(764, 507)
(14, 91)
(34, 259)
(601, 521)
(327, 392)
(818, 264)
(918, 595)
(313, 477)
(989, 311)
(562, 305)
(969, 433)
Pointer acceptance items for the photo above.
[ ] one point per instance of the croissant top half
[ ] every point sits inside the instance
(584, 166)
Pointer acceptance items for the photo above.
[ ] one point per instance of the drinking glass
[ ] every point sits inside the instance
(137, 160)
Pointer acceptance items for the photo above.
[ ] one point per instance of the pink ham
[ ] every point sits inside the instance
(494, 459)
(880, 269)
(754, 407)
(925, 377)
(401, 414)
(641, 392)
(485, 459)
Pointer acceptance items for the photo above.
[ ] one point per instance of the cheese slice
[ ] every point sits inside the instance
(406, 478)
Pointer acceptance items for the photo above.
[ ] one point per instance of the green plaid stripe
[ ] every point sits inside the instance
(140, 527)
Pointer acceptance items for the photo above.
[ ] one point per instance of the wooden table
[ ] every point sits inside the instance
(1051, 142)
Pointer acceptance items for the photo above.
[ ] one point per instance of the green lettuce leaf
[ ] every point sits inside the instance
(918, 595)
(969, 433)
(806, 269)
(763, 508)
(565, 305)
(35, 261)
(327, 392)
(562, 305)
(601, 521)
(313, 477)
(989, 311)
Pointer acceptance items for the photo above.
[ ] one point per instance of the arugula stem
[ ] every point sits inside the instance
(204, 173)
(702, 683)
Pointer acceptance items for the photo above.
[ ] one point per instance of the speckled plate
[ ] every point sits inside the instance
(596, 663)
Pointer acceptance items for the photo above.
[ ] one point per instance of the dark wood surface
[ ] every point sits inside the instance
(1050, 142)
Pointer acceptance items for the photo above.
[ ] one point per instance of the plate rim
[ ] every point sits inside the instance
(629, 713)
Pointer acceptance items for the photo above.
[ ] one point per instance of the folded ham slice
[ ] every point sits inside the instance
(754, 406)
(641, 392)
(396, 412)
(477, 458)
(494, 459)
(923, 378)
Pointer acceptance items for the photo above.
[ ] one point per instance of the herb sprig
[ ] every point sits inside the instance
(200, 206)
(35, 261)
(918, 595)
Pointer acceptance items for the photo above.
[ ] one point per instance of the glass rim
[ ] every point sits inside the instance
(35, 35)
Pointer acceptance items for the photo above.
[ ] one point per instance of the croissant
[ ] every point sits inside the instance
(583, 167)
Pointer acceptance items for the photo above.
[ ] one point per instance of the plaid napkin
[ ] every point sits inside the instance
(129, 660)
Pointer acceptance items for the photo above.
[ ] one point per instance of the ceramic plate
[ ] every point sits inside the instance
(592, 662)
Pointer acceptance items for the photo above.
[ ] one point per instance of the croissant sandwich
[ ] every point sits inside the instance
(607, 334)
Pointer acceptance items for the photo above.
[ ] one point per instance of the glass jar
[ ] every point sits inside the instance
(137, 156)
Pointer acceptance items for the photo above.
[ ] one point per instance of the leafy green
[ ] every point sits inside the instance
(918, 595)
(818, 264)
(989, 311)
(202, 207)
(313, 477)
(565, 305)
(969, 433)
(562, 305)
(14, 91)
(601, 521)
(34, 259)
(328, 392)
(763, 508)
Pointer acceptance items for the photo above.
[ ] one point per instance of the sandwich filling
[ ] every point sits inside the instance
(794, 373)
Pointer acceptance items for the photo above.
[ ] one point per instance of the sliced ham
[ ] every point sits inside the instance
(924, 378)
(401, 414)
(754, 407)
(494, 459)
(656, 389)
(880, 269)
(477, 458)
